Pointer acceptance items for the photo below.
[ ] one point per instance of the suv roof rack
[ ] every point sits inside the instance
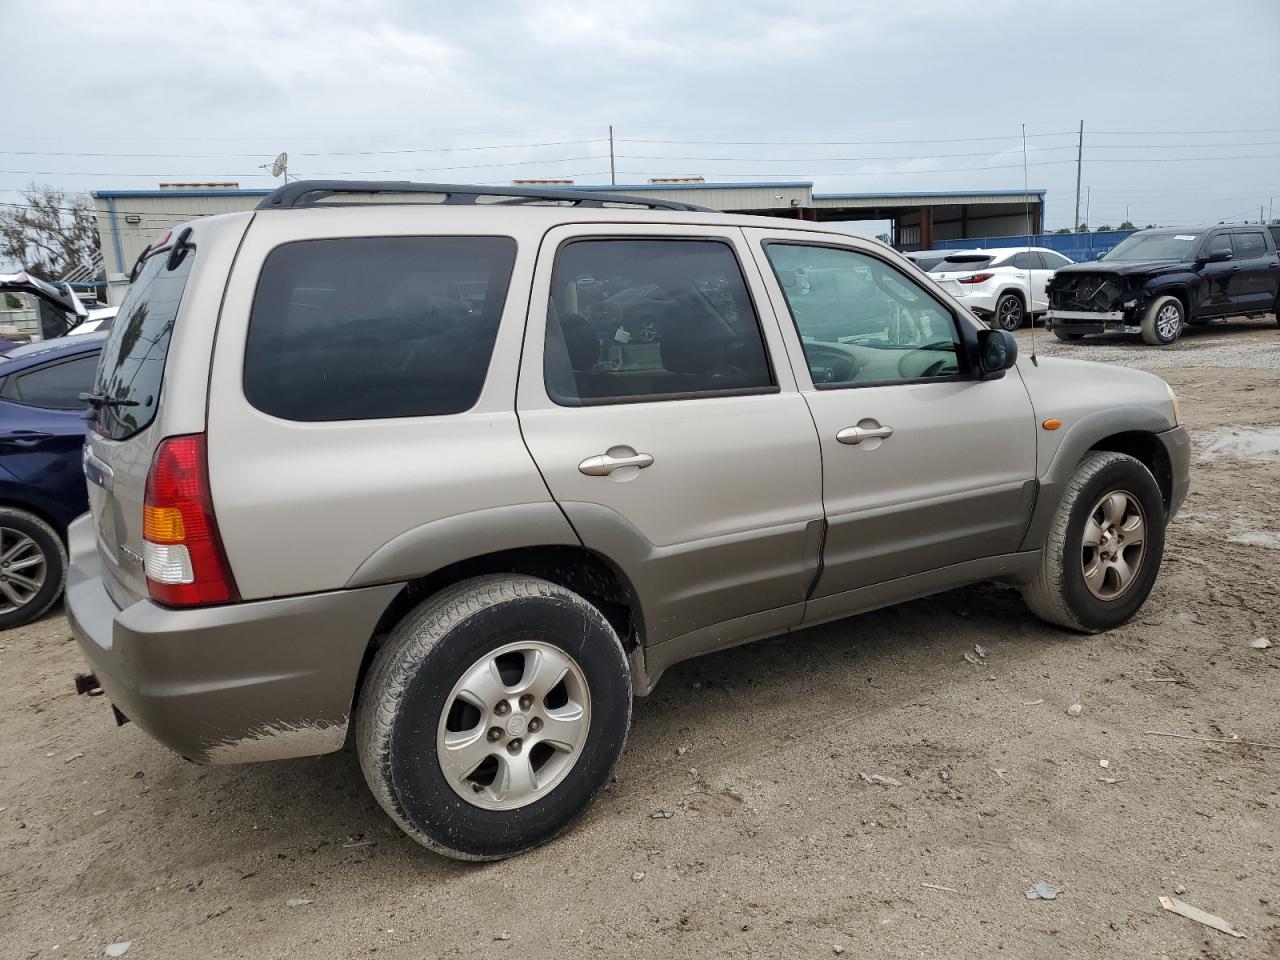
(312, 193)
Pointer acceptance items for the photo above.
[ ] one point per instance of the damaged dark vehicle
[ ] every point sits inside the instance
(1156, 282)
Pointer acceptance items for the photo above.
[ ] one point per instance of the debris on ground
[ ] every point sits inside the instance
(74, 756)
(1231, 739)
(1075, 710)
(980, 650)
(938, 886)
(638, 876)
(1032, 703)
(1042, 891)
(1113, 779)
(1260, 644)
(504, 935)
(1105, 764)
(877, 778)
(970, 658)
(681, 751)
(117, 949)
(945, 776)
(1000, 772)
(297, 902)
(98, 813)
(1174, 905)
(662, 815)
(837, 949)
(1163, 680)
(1179, 889)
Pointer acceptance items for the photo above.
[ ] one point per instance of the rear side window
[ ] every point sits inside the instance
(56, 387)
(634, 320)
(133, 357)
(1250, 245)
(368, 328)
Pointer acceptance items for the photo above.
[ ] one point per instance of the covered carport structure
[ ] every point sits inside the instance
(922, 219)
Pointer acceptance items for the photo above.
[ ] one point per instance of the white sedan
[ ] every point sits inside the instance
(999, 284)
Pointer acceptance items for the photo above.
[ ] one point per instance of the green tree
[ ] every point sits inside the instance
(51, 233)
(1082, 228)
(1104, 227)
(1127, 225)
(882, 237)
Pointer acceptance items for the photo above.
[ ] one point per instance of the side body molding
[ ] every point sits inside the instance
(435, 545)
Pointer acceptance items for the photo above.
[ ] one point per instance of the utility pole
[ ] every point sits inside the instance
(1088, 201)
(613, 178)
(1079, 161)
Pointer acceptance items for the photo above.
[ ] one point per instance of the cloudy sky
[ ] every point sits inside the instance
(1180, 99)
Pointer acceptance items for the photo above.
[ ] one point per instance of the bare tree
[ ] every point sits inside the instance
(51, 233)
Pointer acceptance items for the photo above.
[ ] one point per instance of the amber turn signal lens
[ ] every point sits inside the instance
(1051, 424)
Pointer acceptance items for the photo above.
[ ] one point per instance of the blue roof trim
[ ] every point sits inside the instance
(927, 193)
(606, 187)
(119, 194)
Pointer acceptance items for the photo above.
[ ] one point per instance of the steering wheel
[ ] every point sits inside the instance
(933, 370)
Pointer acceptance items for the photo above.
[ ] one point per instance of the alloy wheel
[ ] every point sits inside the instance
(1009, 313)
(514, 726)
(1114, 544)
(22, 569)
(1169, 321)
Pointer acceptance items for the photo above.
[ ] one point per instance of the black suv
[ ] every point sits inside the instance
(1157, 281)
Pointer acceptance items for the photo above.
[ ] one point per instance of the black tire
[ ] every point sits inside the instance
(1163, 321)
(1068, 336)
(409, 686)
(1059, 594)
(1009, 312)
(52, 565)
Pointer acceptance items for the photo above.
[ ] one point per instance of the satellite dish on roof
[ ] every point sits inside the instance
(281, 165)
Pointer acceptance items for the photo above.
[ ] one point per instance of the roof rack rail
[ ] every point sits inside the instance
(312, 193)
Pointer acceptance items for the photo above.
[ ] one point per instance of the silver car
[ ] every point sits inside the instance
(370, 467)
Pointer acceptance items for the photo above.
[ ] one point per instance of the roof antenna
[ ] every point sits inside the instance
(1026, 197)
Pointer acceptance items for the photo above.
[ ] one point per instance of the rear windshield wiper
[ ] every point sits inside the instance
(100, 400)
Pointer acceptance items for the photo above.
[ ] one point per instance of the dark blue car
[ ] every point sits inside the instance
(42, 487)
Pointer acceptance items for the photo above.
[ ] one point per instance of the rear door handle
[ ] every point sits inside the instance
(604, 464)
(858, 434)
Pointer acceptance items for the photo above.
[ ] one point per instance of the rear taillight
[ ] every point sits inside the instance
(181, 550)
(976, 278)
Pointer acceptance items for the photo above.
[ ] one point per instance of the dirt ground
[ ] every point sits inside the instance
(776, 846)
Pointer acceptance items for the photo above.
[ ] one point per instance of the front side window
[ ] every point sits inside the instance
(861, 321)
(1250, 244)
(56, 387)
(367, 328)
(633, 320)
(1219, 244)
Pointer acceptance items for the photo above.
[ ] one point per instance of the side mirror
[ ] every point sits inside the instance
(997, 352)
(1217, 256)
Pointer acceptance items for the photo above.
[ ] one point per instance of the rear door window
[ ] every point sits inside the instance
(133, 357)
(632, 320)
(56, 386)
(1250, 244)
(367, 328)
(1027, 260)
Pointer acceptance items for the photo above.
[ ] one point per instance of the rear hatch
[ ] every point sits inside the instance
(947, 273)
(124, 434)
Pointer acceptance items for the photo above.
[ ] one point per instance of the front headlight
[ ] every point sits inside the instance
(1177, 407)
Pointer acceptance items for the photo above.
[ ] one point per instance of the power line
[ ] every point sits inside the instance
(331, 153)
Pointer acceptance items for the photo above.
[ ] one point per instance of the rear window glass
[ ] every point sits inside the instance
(961, 264)
(132, 365)
(1250, 245)
(368, 328)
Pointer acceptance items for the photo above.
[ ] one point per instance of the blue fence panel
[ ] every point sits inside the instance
(1076, 246)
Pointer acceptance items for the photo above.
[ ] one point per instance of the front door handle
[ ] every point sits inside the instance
(604, 464)
(858, 434)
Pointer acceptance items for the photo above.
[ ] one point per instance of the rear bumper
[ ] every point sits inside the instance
(261, 680)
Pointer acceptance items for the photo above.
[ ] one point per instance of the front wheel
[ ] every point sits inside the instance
(1104, 547)
(1162, 323)
(493, 716)
(1009, 312)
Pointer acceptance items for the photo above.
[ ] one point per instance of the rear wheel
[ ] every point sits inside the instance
(1008, 312)
(1104, 547)
(33, 564)
(493, 716)
(1162, 323)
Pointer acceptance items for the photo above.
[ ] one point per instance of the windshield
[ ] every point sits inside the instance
(1154, 246)
(962, 263)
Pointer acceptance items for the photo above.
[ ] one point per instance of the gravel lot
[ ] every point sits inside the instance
(776, 846)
